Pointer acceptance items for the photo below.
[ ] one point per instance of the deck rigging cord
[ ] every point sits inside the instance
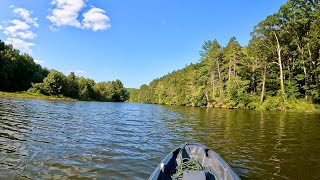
(188, 164)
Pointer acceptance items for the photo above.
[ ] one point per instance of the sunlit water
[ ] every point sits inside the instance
(57, 140)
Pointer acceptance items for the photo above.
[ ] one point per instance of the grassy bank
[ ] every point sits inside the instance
(270, 104)
(30, 95)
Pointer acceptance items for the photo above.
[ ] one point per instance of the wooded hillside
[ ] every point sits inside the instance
(278, 69)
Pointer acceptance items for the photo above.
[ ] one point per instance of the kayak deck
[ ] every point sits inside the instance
(193, 161)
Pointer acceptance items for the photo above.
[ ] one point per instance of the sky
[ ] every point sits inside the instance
(135, 41)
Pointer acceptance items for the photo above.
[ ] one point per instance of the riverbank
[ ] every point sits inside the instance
(29, 95)
(270, 104)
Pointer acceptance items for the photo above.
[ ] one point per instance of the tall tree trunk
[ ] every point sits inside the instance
(263, 84)
(280, 66)
(234, 66)
(212, 82)
(229, 79)
(304, 70)
(207, 98)
(219, 74)
(313, 77)
(218, 66)
(289, 70)
(253, 79)
(305, 80)
(254, 82)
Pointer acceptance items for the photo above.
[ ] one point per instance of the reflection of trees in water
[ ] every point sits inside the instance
(175, 120)
(256, 143)
(276, 158)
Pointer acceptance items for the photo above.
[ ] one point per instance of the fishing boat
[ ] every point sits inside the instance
(193, 161)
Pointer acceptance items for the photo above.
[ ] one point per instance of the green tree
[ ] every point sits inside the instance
(103, 91)
(120, 94)
(18, 71)
(72, 85)
(86, 91)
(54, 83)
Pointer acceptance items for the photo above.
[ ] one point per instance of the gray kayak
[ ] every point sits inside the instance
(192, 161)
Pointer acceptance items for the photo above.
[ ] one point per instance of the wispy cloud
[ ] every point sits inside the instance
(19, 30)
(25, 15)
(68, 13)
(16, 25)
(25, 35)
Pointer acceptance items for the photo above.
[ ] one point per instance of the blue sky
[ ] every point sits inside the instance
(135, 41)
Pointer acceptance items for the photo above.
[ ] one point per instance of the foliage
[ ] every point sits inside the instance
(58, 84)
(54, 84)
(111, 91)
(72, 86)
(86, 91)
(278, 70)
(119, 93)
(18, 71)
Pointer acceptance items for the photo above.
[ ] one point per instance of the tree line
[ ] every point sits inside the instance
(57, 84)
(20, 73)
(17, 72)
(278, 69)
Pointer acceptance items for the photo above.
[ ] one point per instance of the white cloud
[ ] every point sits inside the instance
(17, 26)
(54, 29)
(95, 19)
(19, 29)
(25, 35)
(39, 62)
(26, 15)
(20, 44)
(66, 13)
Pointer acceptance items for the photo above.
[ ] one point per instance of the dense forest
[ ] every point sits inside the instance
(20, 73)
(278, 69)
(17, 72)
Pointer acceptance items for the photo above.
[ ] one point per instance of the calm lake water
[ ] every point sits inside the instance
(56, 140)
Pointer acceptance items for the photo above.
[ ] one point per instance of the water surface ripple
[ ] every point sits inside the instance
(94, 140)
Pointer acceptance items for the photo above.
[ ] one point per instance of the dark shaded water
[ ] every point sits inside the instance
(54, 140)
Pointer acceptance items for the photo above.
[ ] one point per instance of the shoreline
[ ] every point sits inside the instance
(315, 108)
(28, 95)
